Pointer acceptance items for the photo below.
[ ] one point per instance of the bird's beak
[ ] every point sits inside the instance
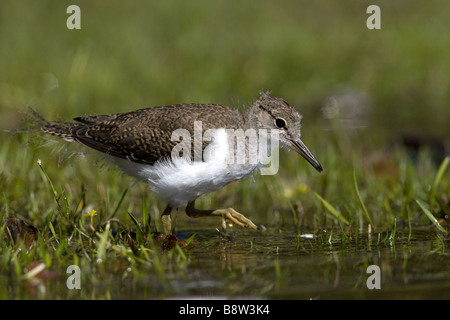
(300, 148)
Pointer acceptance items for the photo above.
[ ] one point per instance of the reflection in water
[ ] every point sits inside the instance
(293, 267)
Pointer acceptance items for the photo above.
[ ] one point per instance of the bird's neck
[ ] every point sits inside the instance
(250, 117)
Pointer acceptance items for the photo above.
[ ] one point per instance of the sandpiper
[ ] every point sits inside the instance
(162, 146)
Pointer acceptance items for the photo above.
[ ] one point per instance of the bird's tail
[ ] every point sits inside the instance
(61, 130)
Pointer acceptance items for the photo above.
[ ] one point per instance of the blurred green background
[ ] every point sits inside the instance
(136, 54)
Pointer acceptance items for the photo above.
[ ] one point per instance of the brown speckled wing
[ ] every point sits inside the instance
(144, 135)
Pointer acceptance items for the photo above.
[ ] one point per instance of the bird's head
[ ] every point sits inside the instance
(279, 117)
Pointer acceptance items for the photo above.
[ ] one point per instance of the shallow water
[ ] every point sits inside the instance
(271, 264)
(291, 266)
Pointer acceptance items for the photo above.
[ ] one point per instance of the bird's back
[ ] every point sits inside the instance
(144, 135)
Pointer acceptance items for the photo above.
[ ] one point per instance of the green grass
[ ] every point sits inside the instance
(88, 214)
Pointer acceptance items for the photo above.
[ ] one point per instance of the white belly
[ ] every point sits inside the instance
(180, 180)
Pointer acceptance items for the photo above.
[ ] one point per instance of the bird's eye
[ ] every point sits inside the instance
(280, 123)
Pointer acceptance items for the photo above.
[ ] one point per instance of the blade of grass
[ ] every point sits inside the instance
(146, 218)
(34, 272)
(57, 196)
(55, 193)
(431, 217)
(393, 231)
(101, 249)
(361, 202)
(437, 180)
(120, 202)
(180, 253)
(52, 230)
(188, 241)
(294, 215)
(331, 209)
(138, 228)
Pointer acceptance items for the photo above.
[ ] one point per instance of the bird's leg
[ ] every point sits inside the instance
(229, 213)
(166, 220)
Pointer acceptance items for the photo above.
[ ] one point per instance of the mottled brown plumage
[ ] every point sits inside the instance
(144, 136)
(139, 139)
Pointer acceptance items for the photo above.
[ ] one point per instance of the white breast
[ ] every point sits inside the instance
(179, 180)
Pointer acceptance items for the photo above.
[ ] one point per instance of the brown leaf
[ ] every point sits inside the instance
(167, 242)
(19, 229)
